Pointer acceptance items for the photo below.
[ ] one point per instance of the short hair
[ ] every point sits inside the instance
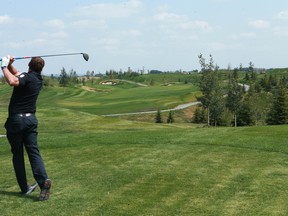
(36, 64)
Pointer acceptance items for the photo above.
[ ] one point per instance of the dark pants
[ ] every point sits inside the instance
(22, 131)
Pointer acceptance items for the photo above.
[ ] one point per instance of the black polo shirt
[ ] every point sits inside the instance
(25, 95)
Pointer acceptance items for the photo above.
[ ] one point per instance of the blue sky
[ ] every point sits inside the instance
(156, 34)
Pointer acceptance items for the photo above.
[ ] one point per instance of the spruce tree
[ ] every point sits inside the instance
(278, 113)
(158, 118)
(245, 114)
(64, 78)
(170, 118)
(197, 116)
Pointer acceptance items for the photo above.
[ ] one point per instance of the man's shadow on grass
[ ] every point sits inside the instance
(17, 194)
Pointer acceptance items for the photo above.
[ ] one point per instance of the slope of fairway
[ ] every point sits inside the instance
(106, 166)
(117, 99)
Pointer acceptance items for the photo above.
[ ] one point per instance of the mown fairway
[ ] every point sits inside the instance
(119, 99)
(109, 166)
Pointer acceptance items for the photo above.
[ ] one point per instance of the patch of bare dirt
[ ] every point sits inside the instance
(189, 112)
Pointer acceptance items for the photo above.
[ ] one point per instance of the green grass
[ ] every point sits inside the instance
(110, 166)
(106, 166)
(114, 99)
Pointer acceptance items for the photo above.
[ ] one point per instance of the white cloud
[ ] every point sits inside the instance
(260, 24)
(106, 41)
(283, 15)
(222, 1)
(24, 44)
(99, 24)
(14, 45)
(198, 24)
(168, 17)
(5, 19)
(172, 20)
(222, 46)
(51, 38)
(132, 32)
(38, 41)
(45, 39)
(110, 45)
(110, 10)
(55, 23)
(280, 31)
(58, 35)
(246, 35)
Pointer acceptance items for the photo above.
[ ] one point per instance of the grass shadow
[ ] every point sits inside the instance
(17, 194)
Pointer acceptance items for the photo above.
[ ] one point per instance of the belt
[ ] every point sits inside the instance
(24, 114)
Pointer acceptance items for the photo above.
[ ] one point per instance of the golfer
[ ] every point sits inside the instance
(21, 124)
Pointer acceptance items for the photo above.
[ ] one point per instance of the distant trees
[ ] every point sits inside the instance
(260, 100)
(158, 117)
(66, 79)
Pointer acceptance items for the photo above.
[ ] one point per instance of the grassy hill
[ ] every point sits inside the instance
(112, 166)
(110, 100)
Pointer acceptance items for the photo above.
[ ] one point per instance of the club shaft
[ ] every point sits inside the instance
(53, 55)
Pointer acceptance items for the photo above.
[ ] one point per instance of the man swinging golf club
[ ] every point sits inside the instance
(21, 124)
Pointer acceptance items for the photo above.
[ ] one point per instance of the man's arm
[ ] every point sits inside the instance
(11, 68)
(10, 78)
(10, 73)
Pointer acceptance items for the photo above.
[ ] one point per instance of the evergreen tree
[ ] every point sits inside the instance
(240, 67)
(247, 77)
(197, 118)
(235, 73)
(278, 113)
(245, 115)
(73, 77)
(251, 71)
(64, 79)
(158, 118)
(199, 115)
(217, 106)
(265, 83)
(284, 82)
(272, 81)
(170, 118)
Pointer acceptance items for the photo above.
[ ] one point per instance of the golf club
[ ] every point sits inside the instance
(85, 56)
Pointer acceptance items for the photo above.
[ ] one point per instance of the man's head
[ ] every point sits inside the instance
(36, 64)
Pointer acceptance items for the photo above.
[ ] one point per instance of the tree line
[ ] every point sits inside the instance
(244, 100)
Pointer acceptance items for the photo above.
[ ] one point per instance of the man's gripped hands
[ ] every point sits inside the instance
(7, 60)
